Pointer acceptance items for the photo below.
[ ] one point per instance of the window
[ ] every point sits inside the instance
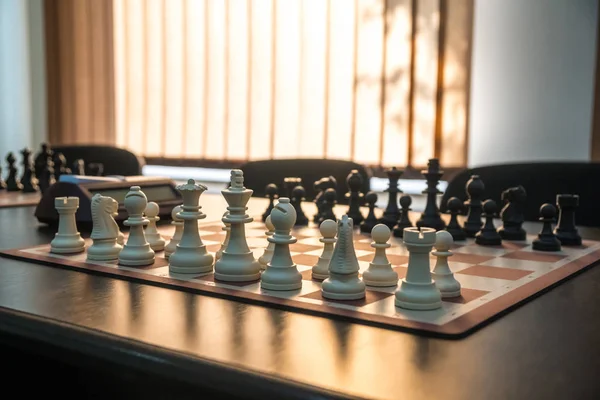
(382, 82)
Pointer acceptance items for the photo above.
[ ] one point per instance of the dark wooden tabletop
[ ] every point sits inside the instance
(548, 348)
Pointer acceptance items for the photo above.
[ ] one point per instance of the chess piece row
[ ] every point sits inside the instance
(44, 171)
(338, 267)
(512, 218)
(394, 218)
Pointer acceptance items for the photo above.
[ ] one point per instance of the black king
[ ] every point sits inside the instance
(431, 215)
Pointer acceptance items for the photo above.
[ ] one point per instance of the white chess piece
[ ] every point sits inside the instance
(227, 228)
(268, 253)
(417, 290)
(190, 256)
(320, 270)
(442, 275)
(105, 231)
(281, 272)
(380, 272)
(67, 239)
(178, 223)
(237, 264)
(152, 236)
(137, 250)
(343, 282)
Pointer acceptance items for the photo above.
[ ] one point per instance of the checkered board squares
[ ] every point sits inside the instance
(493, 279)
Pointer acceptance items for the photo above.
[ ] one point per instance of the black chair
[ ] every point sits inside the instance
(116, 161)
(542, 182)
(258, 174)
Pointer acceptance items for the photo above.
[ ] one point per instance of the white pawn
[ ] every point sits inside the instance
(154, 238)
(417, 290)
(67, 239)
(227, 228)
(105, 231)
(281, 272)
(268, 254)
(442, 275)
(178, 223)
(328, 228)
(137, 250)
(380, 272)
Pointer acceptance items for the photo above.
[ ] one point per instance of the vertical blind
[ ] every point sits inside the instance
(382, 82)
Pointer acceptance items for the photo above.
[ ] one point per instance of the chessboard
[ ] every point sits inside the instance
(494, 279)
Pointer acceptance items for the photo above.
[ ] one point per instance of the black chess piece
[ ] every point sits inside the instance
(369, 223)
(455, 206)
(565, 230)
(328, 182)
(326, 212)
(41, 159)
(431, 217)
(60, 166)
(392, 213)
(12, 183)
(355, 197)
(546, 240)
(79, 167)
(488, 235)
(289, 183)
(271, 191)
(46, 179)
(95, 169)
(298, 195)
(512, 214)
(404, 220)
(28, 180)
(475, 190)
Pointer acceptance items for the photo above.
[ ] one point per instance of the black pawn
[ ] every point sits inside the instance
(12, 183)
(367, 225)
(271, 193)
(431, 217)
(391, 213)
(46, 179)
(512, 214)
(28, 179)
(289, 184)
(41, 159)
(404, 221)
(475, 190)
(455, 206)
(546, 240)
(327, 208)
(60, 166)
(565, 230)
(355, 197)
(320, 186)
(298, 195)
(79, 167)
(488, 235)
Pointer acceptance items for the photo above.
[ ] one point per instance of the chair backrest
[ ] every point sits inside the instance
(542, 182)
(258, 174)
(116, 161)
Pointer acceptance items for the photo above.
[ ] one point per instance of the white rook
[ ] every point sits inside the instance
(417, 290)
(67, 239)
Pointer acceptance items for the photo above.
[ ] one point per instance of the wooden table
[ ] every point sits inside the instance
(148, 340)
(18, 199)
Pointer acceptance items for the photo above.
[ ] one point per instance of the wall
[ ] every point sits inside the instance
(532, 80)
(22, 76)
